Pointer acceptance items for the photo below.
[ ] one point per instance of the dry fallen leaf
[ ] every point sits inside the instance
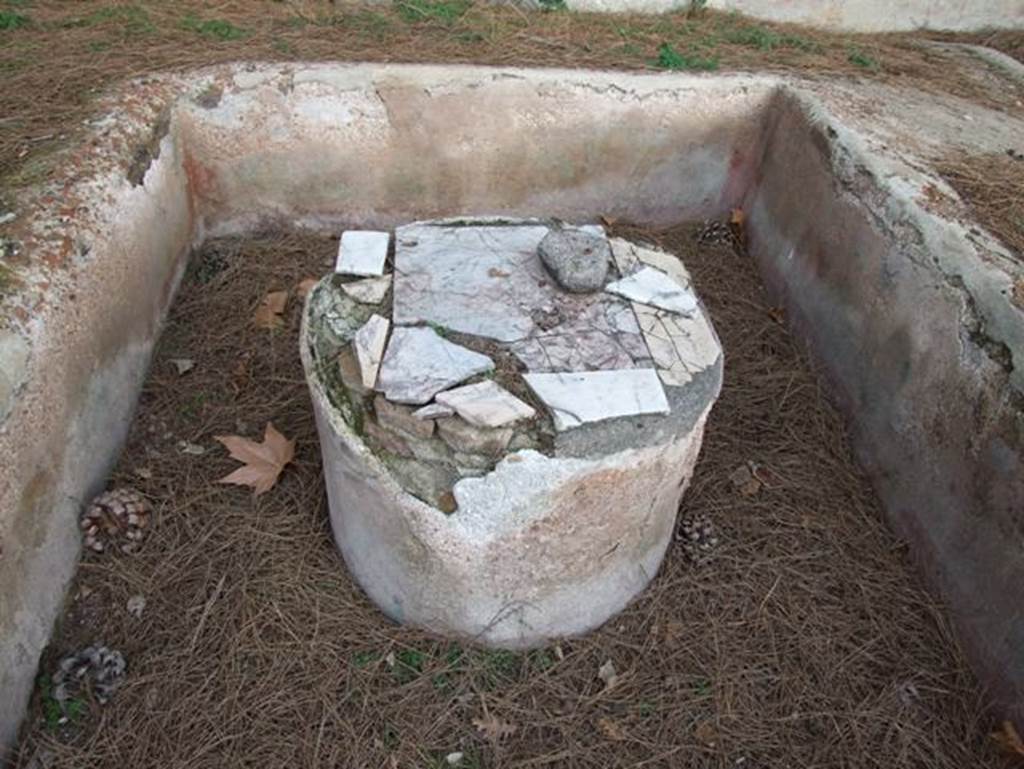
(304, 287)
(744, 479)
(183, 365)
(1009, 740)
(263, 461)
(268, 314)
(778, 314)
(737, 217)
(611, 729)
(493, 728)
(705, 733)
(607, 674)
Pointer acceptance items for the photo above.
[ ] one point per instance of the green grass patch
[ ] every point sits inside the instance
(132, 18)
(217, 29)
(446, 12)
(863, 60)
(670, 58)
(13, 20)
(765, 39)
(369, 22)
(408, 665)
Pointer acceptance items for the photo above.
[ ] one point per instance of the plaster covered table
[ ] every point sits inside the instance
(508, 420)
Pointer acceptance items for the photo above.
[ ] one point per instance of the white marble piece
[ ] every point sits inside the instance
(433, 411)
(485, 404)
(419, 363)
(368, 290)
(653, 287)
(592, 396)
(362, 252)
(680, 345)
(369, 348)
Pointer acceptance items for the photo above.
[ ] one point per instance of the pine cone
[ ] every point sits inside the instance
(96, 668)
(116, 518)
(699, 538)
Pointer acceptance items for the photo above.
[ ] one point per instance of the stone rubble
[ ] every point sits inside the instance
(362, 252)
(485, 404)
(433, 411)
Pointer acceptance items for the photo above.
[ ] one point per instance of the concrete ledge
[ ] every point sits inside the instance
(910, 314)
(846, 15)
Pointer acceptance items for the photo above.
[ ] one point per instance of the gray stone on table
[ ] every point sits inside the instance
(464, 437)
(401, 418)
(368, 290)
(578, 398)
(362, 252)
(368, 344)
(485, 404)
(578, 260)
(419, 363)
(433, 411)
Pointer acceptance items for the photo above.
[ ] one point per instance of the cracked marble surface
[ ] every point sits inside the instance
(578, 398)
(487, 280)
(419, 363)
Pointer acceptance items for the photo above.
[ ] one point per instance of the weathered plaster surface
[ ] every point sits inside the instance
(907, 306)
(851, 15)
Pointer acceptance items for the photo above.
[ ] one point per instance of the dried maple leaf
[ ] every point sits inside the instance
(611, 729)
(493, 728)
(304, 286)
(268, 314)
(263, 461)
(705, 733)
(1009, 740)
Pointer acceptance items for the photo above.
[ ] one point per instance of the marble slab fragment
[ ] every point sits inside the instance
(593, 396)
(651, 286)
(362, 252)
(368, 290)
(629, 257)
(680, 345)
(482, 280)
(485, 404)
(369, 348)
(419, 363)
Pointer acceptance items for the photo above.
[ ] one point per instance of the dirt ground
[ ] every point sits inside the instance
(806, 642)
